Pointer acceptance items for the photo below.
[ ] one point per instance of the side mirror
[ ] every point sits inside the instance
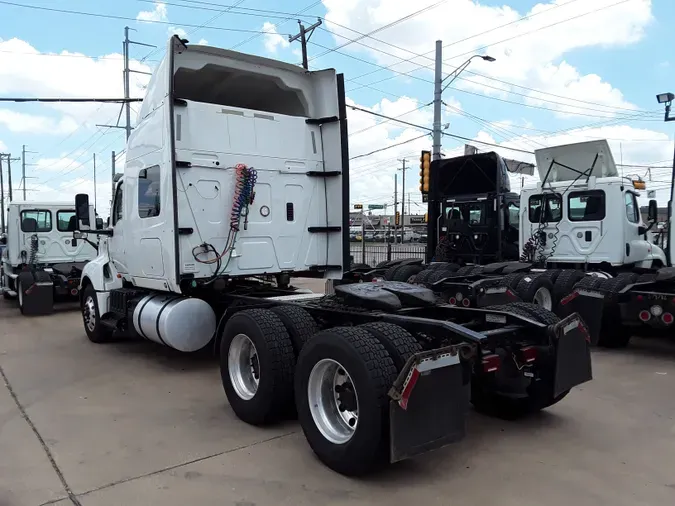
(82, 209)
(99, 223)
(653, 212)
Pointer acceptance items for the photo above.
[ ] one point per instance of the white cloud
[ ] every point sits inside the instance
(272, 39)
(28, 123)
(157, 14)
(203, 42)
(527, 51)
(23, 69)
(174, 30)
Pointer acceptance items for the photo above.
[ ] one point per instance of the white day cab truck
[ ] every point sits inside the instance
(42, 261)
(236, 180)
(583, 243)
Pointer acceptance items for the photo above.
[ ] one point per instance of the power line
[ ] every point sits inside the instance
(388, 147)
(73, 100)
(123, 18)
(444, 133)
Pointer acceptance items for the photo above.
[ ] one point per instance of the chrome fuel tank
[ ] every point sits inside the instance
(182, 323)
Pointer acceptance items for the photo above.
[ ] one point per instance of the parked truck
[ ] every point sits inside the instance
(236, 180)
(580, 232)
(41, 261)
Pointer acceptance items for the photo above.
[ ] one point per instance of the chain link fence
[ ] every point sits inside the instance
(373, 254)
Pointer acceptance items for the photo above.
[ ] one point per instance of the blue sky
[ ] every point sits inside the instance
(566, 71)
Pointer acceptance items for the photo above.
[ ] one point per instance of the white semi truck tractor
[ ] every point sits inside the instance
(236, 180)
(41, 262)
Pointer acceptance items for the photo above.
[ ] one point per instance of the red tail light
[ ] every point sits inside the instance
(491, 362)
(528, 354)
(73, 292)
(452, 301)
(645, 315)
(640, 298)
(466, 303)
(667, 318)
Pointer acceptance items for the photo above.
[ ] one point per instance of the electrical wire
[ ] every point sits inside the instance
(123, 18)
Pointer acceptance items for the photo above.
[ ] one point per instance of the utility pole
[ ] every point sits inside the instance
(395, 204)
(403, 202)
(304, 35)
(127, 105)
(23, 168)
(9, 175)
(126, 74)
(94, 181)
(112, 176)
(2, 200)
(438, 82)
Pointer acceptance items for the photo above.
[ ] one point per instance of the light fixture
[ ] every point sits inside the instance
(488, 58)
(665, 98)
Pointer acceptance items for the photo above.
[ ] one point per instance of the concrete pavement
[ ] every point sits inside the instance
(137, 424)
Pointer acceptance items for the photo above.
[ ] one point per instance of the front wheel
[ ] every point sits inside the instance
(91, 317)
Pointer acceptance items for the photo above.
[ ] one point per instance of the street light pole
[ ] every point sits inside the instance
(438, 92)
(667, 99)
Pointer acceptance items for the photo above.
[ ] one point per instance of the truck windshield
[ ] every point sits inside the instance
(472, 213)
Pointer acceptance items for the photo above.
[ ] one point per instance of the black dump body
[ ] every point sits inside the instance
(467, 210)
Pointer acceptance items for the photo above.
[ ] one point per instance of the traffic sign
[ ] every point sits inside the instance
(375, 206)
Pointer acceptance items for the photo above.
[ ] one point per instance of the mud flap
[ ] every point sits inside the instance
(496, 296)
(589, 306)
(573, 354)
(429, 404)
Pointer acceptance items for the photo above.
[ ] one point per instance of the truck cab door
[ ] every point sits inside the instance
(637, 248)
(116, 243)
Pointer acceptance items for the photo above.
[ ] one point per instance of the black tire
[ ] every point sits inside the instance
(23, 283)
(564, 283)
(612, 333)
(423, 276)
(466, 270)
(299, 324)
(590, 283)
(529, 285)
(89, 306)
(372, 371)
(391, 271)
(438, 274)
(551, 274)
(405, 272)
(512, 280)
(275, 359)
(399, 343)
(537, 312)
(444, 265)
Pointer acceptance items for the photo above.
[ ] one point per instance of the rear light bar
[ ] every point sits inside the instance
(528, 354)
(491, 362)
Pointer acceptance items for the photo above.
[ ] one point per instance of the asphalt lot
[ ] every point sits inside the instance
(137, 424)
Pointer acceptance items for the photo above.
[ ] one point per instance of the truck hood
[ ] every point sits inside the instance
(566, 162)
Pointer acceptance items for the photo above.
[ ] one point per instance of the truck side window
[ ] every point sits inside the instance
(148, 192)
(119, 205)
(514, 215)
(586, 205)
(66, 221)
(549, 204)
(36, 221)
(632, 211)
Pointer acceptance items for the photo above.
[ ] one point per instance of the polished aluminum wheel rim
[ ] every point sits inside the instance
(20, 293)
(243, 366)
(333, 401)
(89, 313)
(542, 297)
